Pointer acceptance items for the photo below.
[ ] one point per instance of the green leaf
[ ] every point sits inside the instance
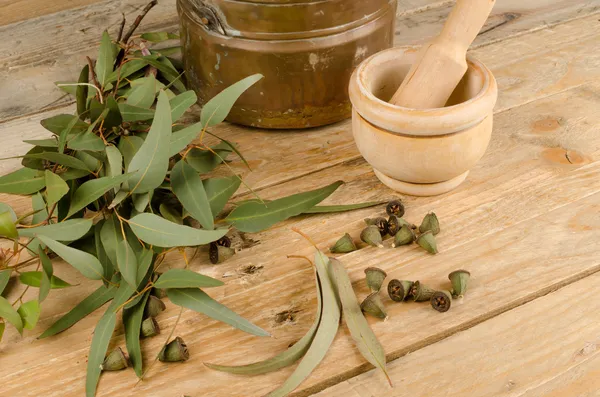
(97, 110)
(132, 321)
(2, 327)
(56, 124)
(189, 189)
(92, 190)
(141, 201)
(39, 205)
(183, 278)
(62, 159)
(254, 216)
(30, 313)
(102, 334)
(87, 306)
(183, 137)
(144, 94)
(135, 113)
(7, 208)
(47, 279)
(151, 162)
(89, 159)
(109, 235)
(197, 300)
(86, 141)
(101, 252)
(34, 279)
(144, 259)
(81, 92)
(114, 163)
(70, 230)
(8, 313)
(157, 37)
(170, 214)
(127, 69)
(64, 134)
(106, 59)
(50, 142)
(219, 191)
(129, 146)
(325, 209)
(326, 332)
(56, 187)
(22, 181)
(167, 71)
(217, 109)
(4, 278)
(72, 174)
(181, 103)
(205, 161)
(113, 118)
(87, 264)
(158, 231)
(7, 225)
(232, 147)
(127, 262)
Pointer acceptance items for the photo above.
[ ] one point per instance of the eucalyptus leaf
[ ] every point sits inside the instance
(197, 300)
(157, 37)
(328, 327)
(204, 160)
(2, 327)
(126, 70)
(30, 313)
(60, 158)
(183, 137)
(102, 334)
(144, 94)
(217, 109)
(132, 321)
(151, 161)
(129, 146)
(56, 187)
(113, 118)
(110, 235)
(7, 208)
(232, 147)
(132, 113)
(184, 278)
(7, 225)
(50, 142)
(220, 190)
(70, 230)
(181, 103)
(4, 278)
(119, 197)
(158, 231)
(81, 92)
(144, 259)
(114, 163)
(141, 201)
(47, 281)
(8, 313)
(167, 71)
(22, 181)
(189, 189)
(35, 278)
(127, 262)
(255, 216)
(97, 110)
(64, 134)
(87, 306)
(40, 207)
(170, 214)
(101, 252)
(56, 124)
(106, 59)
(87, 264)
(86, 141)
(92, 190)
(72, 174)
(325, 209)
(91, 162)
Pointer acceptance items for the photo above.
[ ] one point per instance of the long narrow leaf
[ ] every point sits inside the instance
(183, 278)
(87, 264)
(189, 189)
(219, 191)
(106, 59)
(127, 262)
(132, 321)
(326, 209)
(56, 187)
(69, 230)
(8, 313)
(4, 278)
(102, 334)
(92, 190)
(22, 181)
(81, 92)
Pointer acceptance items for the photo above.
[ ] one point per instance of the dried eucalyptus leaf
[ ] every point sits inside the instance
(56, 187)
(8, 313)
(30, 313)
(197, 300)
(189, 189)
(220, 190)
(92, 190)
(22, 181)
(69, 230)
(87, 264)
(155, 230)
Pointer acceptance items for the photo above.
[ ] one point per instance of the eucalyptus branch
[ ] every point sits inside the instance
(138, 20)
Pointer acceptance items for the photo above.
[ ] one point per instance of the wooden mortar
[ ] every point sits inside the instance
(420, 152)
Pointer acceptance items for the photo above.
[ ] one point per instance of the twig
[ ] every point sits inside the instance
(121, 28)
(94, 78)
(138, 20)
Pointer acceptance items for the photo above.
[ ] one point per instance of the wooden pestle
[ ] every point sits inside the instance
(442, 63)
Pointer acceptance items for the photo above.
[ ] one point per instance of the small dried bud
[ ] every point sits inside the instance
(154, 307)
(427, 242)
(395, 207)
(219, 253)
(459, 280)
(224, 242)
(150, 327)
(175, 351)
(375, 277)
(115, 361)
(372, 305)
(372, 236)
(399, 290)
(430, 222)
(380, 222)
(393, 225)
(404, 236)
(343, 245)
(441, 301)
(421, 292)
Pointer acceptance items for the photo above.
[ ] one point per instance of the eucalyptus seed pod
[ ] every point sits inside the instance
(399, 290)
(459, 280)
(175, 351)
(404, 236)
(343, 245)
(219, 253)
(375, 277)
(154, 307)
(395, 207)
(380, 222)
(441, 301)
(372, 236)
(427, 242)
(393, 225)
(115, 361)
(150, 327)
(374, 306)
(224, 241)
(421, 292)
(430, 222)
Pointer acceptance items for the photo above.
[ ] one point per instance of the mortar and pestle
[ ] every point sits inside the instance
(423, 137)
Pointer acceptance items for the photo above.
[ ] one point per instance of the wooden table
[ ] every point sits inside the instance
(526, 223)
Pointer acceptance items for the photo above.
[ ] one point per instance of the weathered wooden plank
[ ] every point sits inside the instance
(548, 347)
(12, 11)
(52, 48)
(511, 192)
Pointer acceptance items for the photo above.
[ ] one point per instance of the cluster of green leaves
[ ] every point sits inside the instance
(118, 185)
